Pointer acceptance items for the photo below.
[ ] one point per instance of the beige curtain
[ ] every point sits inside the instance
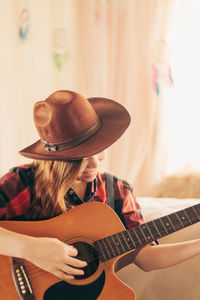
(181, 104)
(96, 47)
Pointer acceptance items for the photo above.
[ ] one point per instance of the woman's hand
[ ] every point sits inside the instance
(54, 256)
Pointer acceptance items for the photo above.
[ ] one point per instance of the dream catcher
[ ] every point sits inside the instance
(161, 70)
(24, 16)
(60, 54)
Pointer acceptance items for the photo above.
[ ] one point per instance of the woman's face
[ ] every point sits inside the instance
(90, 167)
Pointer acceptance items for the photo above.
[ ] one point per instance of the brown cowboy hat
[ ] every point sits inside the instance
(72, 127)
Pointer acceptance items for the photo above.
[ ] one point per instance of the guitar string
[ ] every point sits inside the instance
(95, 253)
(173, 214)
(95, 257)
(35, 268)
(86, 258)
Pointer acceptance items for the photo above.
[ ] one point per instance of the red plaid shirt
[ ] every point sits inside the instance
(16, 194)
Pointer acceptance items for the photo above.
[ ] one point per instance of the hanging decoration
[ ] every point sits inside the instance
(60, 54)
(24, 23)
(161, 70)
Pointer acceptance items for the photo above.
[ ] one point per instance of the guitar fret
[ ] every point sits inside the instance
(168, 225)
(134, 237)
(153, 230)
(192, 214)
(147, 232)
(160, 227)
(111, 247)
(131, 239)
(143, 233)
(197, 210)
(171, 223)
(153, 222)
(196, 213)
(163, 225)
(139, 234)
(118, 244)
(187, 217)
(179, 219)
(106, 247)
(126, 246)
(184, 218)
(100, 250)
(114, 244)
(175, 220)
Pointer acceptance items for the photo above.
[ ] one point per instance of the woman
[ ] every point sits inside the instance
(74, 134)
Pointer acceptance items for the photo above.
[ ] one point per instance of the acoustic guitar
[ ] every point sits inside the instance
(101, 239)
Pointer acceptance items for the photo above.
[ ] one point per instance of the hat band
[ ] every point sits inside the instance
(73, 142)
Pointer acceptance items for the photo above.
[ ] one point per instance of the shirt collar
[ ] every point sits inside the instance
(89, 193)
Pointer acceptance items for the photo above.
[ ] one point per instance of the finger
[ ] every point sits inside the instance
(72, 251)
(74, 262)
(62, 275)
(71, 271)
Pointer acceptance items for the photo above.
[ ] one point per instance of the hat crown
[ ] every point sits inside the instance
(63, 116)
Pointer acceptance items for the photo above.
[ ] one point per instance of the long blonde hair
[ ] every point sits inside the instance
(52, 179)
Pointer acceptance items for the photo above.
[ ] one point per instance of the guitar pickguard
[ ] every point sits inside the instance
(65, 291)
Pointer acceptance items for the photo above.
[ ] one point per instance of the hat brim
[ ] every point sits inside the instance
(114, 120)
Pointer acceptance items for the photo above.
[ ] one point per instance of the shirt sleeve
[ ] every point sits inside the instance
(131, 210)
(15, 194)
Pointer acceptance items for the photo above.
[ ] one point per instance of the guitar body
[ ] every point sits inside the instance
(81, 225)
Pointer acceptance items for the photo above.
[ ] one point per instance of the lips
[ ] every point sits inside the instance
(89, 175)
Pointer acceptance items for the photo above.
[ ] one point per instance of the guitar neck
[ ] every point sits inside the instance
(133, 238)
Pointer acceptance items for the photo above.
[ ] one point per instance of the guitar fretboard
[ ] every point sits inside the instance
(133, 238)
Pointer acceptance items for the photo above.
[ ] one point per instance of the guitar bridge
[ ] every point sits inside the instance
(21, 279)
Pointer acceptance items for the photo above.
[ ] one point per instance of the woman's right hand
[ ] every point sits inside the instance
(54, 256)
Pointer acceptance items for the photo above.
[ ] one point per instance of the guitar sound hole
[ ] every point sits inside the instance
(89, 254)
